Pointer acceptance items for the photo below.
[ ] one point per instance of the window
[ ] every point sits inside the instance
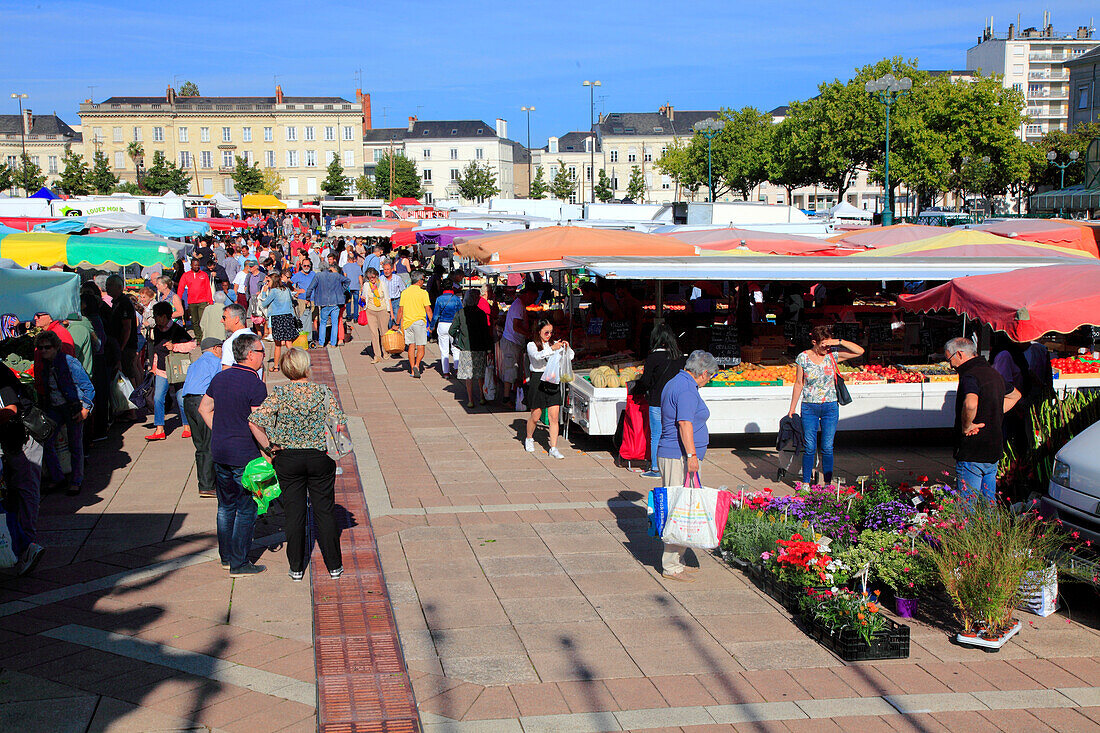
(426, 175)
(479, 153)
(311, 158)
(664, 150)
(572, 173)
(455, 173)
(185, 159)
(614, 182)
(1017, 50)
(120, 159)
(428, 197)
(34, 159)
(1017, 69)
(330, 133)
(137, 134)
(331, 155)
(227, 159)
(588, 173)
(158, 134)
(1018, 86)
(647, 155)
(553, 145)
(349, 158)
(268, 134)
(1034, 129)
(427, 153)
(248, 157)
(348, 132)
(292, 134)
(204, 134)
(311, 185)
(228, 186)
(631, 155)
(379, 154)
(269, 158)
(13, 161)
(614, 156)
(572, 197)
(182, 134)
(292, 159)
(227, 136)
(97, 133)
(52, 164)
(310, 136)
(116, 134)
(1082, 98)
(206, 159)
(208, 186)
(246, 134)
(666, 182)
(292, 186)
(454, 153)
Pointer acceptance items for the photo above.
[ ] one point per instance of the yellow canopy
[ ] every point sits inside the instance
(261, 201)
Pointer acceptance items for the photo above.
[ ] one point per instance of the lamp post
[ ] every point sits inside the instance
(1052, 156)
(22, 137)
(592, 142)
(528, 110)
(887, 89)
(709, 129)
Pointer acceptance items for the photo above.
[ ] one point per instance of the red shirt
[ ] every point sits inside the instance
(197, 285)
(68, 346)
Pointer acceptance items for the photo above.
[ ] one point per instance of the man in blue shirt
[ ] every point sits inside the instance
(353, 271)
(225, 408)
(374, 259)
(301, 280)
(194, 387)
(327, 292)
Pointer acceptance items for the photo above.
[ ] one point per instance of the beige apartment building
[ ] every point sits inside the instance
(46, 139)
(295, 136)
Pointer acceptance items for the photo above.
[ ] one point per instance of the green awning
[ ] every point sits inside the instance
(1071, 198)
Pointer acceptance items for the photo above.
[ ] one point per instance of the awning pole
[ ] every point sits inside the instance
(659, 304)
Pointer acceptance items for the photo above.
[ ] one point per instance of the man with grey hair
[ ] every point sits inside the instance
(980, 404)
(684, 439)
(413, 313)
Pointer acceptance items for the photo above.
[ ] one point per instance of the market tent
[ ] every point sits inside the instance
(1073, 198)
(261, 201)
(405, 201)
(845, 210)
(1045, 231)
(305, 210)
(1025, 304)
(967, 243)
(445, 236)
(44, 193)
(126, 222)
(47, 249)
(718, 241)
(873, 237)
(24, 223)
(221, 225)
(225, 203)
(556, 243)
(4, 229)
(26, 292)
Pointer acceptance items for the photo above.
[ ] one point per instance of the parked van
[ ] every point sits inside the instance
(1074, 492)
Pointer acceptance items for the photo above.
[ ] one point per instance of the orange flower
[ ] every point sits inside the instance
(860, 616)
(872, 608)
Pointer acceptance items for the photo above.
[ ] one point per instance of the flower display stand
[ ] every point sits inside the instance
(989, 644)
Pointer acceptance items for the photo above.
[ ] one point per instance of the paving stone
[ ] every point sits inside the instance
(490, 670)
(477, 642)
(785, 654)
(934, 703)
(752, 712)
(573, 723)
(58, 715)
(496, 567)
(653, 718)
(549, 609)
(539, 699)
(634, 693)
(589, 637)
(851, 706)
(1082, 696)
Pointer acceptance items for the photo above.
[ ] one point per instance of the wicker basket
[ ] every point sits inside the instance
(393, 342)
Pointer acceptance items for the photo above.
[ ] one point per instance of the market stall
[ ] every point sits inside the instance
(23, 293)
(47, 249)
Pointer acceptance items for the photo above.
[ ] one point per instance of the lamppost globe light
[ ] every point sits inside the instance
(1073, 155)
(906, 84)
(1052, 156)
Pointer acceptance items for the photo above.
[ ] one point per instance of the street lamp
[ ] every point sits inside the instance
(528, 110)
(887, 89)
(592, 142)
(709, 128)
(1052, 156)
(22, 138)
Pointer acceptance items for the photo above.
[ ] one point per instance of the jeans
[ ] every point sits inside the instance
(23, 474)
(312, 472)
(654, 434)
(395, 303)
(353, 306)
(823, 415)
(330, 320)
(159, 398)
(236, 515)
(200, 436)
(976, 480)
(74, 433)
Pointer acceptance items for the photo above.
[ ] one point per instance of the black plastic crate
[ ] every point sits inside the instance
(788, 594)
(890, 643)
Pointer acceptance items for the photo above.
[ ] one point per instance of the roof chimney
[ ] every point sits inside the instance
(364, 103)
(278, 94)
(1011, 31)
(670, 113)
(412, 121)
(28, 121)
(170, 95)
(502, 128)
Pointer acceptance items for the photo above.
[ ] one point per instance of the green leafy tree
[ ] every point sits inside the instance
(28, 176)
(685, 167)
(635, 187)
(364, 186)
(164, 176)
(563, 185)
(477, 182)
(7, 177)
(740, 151)
(247, 178)
(188, 89)
(406, 181)
(101, 179)
(538, 187)
(74, 177)
(335, 184)
(789, 164)
(129, 187)
(1062, 144)
(603, 187)
(272, 180)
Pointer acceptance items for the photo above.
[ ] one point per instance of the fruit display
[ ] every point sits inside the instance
(747, 374)
(893, 374)
(1074, 367)
(607, 377)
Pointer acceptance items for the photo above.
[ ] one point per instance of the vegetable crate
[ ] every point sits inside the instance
(892, 643)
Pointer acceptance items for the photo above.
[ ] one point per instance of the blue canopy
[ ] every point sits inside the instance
(125, 221)
(26, 292)
(176, 227)
(65, 225)
(44, 193)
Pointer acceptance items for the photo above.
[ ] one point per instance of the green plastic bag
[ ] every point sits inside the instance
(260, 480)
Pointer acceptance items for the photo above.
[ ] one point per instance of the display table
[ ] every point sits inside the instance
(736, 410)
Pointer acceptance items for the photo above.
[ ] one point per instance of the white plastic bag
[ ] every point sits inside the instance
(552, 373)
(692, 517)
(490, 389)
(7, 556)
(1039, 591)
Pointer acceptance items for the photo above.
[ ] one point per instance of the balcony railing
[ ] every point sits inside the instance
(1047, 94)
(1047, 56)
(1048, 75)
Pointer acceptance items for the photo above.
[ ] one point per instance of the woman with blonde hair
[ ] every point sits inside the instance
(290, 428)
(275, 298)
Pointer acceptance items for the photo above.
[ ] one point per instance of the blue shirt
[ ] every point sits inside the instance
(680, 401)
(278, 303)
(374, 261)
(302, 280)
(353, 271)
(327, 288)
(235, 391)
(446, 307)
(199, 374)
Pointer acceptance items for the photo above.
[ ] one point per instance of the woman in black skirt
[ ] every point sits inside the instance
(276, 298)
(542, 393)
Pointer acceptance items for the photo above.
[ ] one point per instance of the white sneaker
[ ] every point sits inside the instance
(30, 558)
(555, 453)
(529, 445)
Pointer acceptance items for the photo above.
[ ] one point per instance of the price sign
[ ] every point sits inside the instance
(878, 333)
(725, 345)
(618, 330)
(595, 327)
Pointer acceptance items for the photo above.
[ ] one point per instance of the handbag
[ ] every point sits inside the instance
(337, 442)
(38, 424)
(843, 396)
(176, 366)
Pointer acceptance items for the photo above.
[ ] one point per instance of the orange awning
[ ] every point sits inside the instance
(555, 243)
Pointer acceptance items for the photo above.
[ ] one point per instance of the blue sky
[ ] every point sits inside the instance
(455, 60)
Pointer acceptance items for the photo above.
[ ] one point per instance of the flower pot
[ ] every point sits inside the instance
(987, 642)
(906, 607)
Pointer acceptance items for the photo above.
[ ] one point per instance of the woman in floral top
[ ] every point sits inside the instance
(815, 385)
(290, 427)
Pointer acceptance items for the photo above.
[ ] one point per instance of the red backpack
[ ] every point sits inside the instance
(634, 444)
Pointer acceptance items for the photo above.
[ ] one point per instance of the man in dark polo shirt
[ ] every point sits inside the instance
(980, 404)
(229, 400)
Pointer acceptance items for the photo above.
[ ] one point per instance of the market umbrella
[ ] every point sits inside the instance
(724, 241)
(549, 244)
(261, 201)
(47, 249)
(968, 243)
(26, 292)
(873, 237)
(1025, 304)
(1045, 231)
(221, 225)
(445, 236)
(24, 223)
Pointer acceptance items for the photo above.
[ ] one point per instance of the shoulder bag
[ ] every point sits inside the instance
(843, 396)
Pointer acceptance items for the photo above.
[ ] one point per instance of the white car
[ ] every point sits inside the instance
(1074, 492)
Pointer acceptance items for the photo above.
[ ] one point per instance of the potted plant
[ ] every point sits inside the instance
(904, 563)
(800, 563)
(853, 625)
(750, 533)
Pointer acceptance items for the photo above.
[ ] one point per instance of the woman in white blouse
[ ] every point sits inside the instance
(542, 393)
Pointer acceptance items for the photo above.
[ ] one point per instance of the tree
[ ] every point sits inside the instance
(28, 176)
(365, 186)
(477, 182)
(7, 177)
(74, 177)
(335, 184)
(1042, 173)
(406, 181)
(272, 180)
(563, 185)
(188, 89)
(739, 153)
(687, 169)
(101, 179)
(789, 164)
(129, 187)
(246, 178)
(164, 176)
(635, 187)
(603, 187)
(538, 188)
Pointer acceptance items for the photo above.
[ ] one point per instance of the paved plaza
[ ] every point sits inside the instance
(523, 590)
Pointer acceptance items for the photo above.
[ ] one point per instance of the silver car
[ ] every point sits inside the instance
(1074, 492)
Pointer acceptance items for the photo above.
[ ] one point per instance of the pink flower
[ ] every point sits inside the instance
(765, 556)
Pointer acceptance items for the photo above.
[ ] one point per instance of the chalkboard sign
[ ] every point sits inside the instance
(618, 330)
(879, 333)
(932, 339)
(725, 345)
(797, 333)
(595, 326)
(790, 330)
(1094, 331)
(847, 331)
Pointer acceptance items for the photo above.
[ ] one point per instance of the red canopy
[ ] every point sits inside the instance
(304, 210)
(1024, 303)
(222, 225)
(405, 201)
(25, 223)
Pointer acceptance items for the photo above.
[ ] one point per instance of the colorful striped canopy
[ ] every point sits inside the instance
(970, 243)
(47, 249)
